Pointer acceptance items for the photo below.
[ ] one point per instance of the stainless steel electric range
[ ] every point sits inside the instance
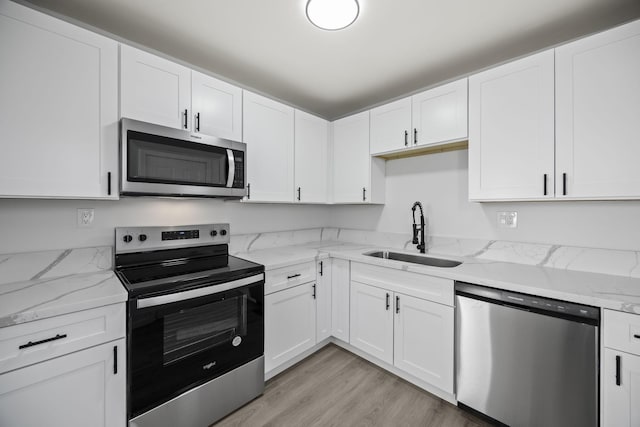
(195, 326)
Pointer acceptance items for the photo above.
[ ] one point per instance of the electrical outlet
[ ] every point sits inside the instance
(85, 217)
(508, 219)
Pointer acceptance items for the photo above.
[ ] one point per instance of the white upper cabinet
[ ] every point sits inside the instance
(311, 148)
(511, 130)
(357, 177)
(432, 117)
(58, 108)
(440, 114)
(268, 133)
(597, 111)
(390, 126)
(154, 89)
(217, 107)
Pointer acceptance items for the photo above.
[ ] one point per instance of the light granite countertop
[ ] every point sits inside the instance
(597, 289)
(39, 285)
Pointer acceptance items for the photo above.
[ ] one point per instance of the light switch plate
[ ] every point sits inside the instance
(508, 219)
(85, 217)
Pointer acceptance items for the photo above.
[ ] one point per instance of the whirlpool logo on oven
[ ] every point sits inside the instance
(209, 365)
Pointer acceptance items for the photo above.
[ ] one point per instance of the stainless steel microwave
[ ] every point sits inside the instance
(161, 161)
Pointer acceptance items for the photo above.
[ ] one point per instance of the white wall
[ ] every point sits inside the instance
(32, 225)
(439, 181)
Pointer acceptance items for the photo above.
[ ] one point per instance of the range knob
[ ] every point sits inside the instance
(223, 232)
(127, 238)
(142, 237)
(214, 233)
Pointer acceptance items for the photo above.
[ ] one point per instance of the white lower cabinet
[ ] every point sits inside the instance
(620, 376)
(412, 334)
(372, 321)
(85, 388)
(290, 324)
(621, 384)
(423, 340)
(323, 300)
(340, 295)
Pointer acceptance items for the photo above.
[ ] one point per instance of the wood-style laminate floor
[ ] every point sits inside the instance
(334, 387)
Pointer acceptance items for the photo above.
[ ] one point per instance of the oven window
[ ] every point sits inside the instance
(190, 331)
(157, 159)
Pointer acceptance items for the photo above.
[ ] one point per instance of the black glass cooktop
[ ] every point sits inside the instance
(166, 271)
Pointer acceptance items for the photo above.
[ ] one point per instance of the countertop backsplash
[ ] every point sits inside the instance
(593, 260)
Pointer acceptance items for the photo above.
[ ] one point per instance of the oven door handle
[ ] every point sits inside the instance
(199, 292)
(232, 168)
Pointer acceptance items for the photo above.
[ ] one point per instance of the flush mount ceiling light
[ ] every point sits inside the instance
(332, 14)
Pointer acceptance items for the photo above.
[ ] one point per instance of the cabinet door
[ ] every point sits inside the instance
(597, 110)
(390, 126)
(217, 107)
(351, 160)
(340, 296)
(323, 300)
(620, 402)
(86, 388)
(268, 133)
(372, 320)
(440, 114)
(311, 143)
(290, 324)
(423, 340)
(58, 108)
(154, 89)
(511, 130)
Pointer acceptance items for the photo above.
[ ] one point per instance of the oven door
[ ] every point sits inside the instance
(164, 161)
(176, 344)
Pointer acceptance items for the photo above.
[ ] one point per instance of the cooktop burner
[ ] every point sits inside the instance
(158, 260)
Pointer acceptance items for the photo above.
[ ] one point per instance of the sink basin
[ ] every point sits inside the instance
(415, 259)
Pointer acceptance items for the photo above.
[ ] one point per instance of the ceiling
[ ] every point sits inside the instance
(395, 47)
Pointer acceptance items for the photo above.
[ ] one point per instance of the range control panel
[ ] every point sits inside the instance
(141, 239)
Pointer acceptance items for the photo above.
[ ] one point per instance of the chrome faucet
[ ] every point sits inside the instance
(422, 247)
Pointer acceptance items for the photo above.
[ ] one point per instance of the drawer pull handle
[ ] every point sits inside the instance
(636, 336)
(294, 276)
(618, 382)
(33, 343)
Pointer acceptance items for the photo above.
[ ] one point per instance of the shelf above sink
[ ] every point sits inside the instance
(415, 259)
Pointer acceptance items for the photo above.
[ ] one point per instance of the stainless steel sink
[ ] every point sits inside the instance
(416, 259)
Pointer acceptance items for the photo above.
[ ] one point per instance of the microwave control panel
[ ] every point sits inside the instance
(238, 177)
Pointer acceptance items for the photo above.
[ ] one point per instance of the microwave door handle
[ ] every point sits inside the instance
(232, 168)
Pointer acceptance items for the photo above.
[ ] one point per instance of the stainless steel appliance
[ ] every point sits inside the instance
(157, 160)
(195, 326)
(523, 360)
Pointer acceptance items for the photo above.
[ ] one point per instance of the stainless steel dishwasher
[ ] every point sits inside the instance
(523, 360)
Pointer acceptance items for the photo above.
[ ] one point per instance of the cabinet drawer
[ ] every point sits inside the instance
(44, 339)
(431, 288)
(287, 277)
(622, 331)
